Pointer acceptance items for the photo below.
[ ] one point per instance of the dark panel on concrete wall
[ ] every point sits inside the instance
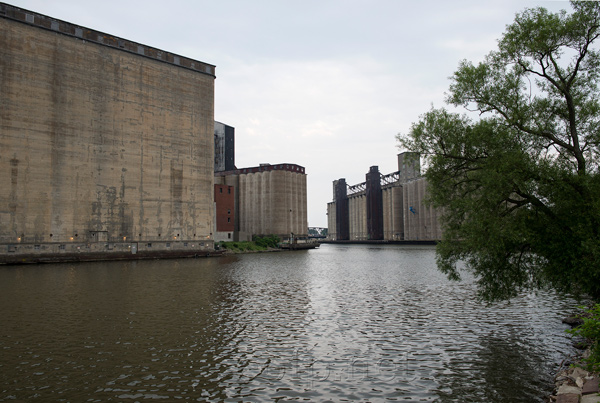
(229, 148)
(224, 147)
(374, 204)
(341, 210)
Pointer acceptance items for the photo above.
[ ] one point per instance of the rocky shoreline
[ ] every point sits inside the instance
(576, 385)
(573, 384)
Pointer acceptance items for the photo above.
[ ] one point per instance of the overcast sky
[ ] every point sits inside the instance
(322, 84)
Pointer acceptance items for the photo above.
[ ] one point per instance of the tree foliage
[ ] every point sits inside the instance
(517, 177)
(590, 330)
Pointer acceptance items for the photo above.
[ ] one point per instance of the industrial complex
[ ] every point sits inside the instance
(109, 149)
(267, 199)
(385, 207)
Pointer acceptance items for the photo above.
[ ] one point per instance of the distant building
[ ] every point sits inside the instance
(224, 147)
(268, 199)
(387, 208)
(107, 145)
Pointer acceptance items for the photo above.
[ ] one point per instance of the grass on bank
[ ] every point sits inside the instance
(259, 243)
(241, 246)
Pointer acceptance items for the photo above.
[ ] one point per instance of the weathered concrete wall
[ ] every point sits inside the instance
(331, 221)
(409, 166)
(420, 220)
(357, 205)
(404, 214)
(270, 199)
(273, 202)
(393, 225)
(406, 217)
(99, 145)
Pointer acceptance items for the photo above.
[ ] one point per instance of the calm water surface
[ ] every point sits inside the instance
(340, 323)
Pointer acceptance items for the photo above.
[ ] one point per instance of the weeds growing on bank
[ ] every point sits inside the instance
(241, 246)
(590, 330)
(258, 244)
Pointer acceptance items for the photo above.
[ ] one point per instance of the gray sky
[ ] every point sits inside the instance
(323, 84)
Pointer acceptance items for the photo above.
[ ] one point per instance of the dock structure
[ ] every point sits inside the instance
(299, 244)
(388, 207)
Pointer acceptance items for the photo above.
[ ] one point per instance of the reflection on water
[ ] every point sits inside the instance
(340, 323)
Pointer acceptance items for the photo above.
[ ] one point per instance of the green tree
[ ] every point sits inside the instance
(517, 177)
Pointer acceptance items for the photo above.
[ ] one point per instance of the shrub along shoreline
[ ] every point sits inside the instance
(268, 243)
(245, 247)
(580, 382)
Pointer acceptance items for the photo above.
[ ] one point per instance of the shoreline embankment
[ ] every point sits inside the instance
(572, 383)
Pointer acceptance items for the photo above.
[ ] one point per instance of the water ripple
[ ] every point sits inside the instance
(342, 323)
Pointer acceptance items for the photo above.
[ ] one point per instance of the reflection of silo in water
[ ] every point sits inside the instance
(260, 312)
(178, 325)
(349, 320)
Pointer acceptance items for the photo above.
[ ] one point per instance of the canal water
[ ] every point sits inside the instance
(339, 323)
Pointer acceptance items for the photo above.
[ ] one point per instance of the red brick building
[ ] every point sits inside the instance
(225, 213)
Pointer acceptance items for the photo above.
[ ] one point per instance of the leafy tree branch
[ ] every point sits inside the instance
(519, 183)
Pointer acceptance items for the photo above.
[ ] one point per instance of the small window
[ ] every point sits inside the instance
(229, 235)
(229, 190)
(220, 190)
(228, 219)
(36, 247)
(149, 245)
(228, 211)
(185, 244)
(168, 244)
(61, 247)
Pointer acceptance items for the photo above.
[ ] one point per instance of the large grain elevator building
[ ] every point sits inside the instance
(268, 199)
(385, 207)
(106, 145)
